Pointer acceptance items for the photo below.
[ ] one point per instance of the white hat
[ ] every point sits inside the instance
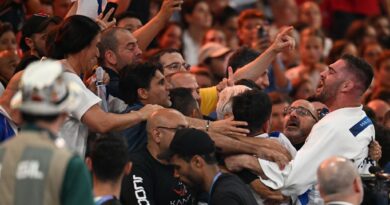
(212, 50)
(43, 90)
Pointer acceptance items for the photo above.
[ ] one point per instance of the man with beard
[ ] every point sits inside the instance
(192, 154)
(299, 118)
(151, 180)
(118, 48)
(346, 131)
(33, 40)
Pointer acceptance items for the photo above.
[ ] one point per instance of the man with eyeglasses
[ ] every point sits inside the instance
(152, 180)
(171, 60)
(299, 118)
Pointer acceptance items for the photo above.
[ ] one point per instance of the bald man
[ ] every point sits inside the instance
(298, 120)
(9, 118)
(339, 182)
(380, 108)
(151, 180)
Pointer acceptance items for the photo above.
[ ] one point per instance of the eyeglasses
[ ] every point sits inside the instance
(177, 66)
(173, 128)
(300, 111)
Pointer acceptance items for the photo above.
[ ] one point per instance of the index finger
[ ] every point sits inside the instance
(230, 73)
(286, 30)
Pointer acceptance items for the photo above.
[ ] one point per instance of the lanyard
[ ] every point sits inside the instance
(212, 185)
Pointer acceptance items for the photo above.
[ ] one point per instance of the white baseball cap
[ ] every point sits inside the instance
(43, 90)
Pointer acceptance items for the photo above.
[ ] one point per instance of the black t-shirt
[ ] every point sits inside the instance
(230, 190)
(151, 182)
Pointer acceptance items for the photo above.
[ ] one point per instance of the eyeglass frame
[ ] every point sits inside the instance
(285, 111)
(185, 65)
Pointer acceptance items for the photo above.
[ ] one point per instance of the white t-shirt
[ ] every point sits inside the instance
(345, 132)
(190, 49)
(74, 131)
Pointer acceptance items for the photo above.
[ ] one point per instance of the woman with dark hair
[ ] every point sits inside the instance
(76, 45)
(339, 48)
(197, 20)
(7, 38)
(9, 58)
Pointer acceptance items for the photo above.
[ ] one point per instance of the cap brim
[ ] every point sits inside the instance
(220, 52)
(167, 155)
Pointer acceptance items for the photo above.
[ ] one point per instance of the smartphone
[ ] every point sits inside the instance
(261, 32)
(108, 8)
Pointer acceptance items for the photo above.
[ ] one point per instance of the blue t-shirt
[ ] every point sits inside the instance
(6, 130)
(136, 135)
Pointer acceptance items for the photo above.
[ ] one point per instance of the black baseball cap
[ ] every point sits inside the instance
(189, 142)
(36, 24)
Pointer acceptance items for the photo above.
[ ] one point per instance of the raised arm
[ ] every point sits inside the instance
(256, 68)
(149, 31)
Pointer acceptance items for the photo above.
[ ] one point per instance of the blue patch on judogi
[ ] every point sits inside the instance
(360, 126)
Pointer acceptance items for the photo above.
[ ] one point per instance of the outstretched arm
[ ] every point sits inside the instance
(149, 31)
(256, 68)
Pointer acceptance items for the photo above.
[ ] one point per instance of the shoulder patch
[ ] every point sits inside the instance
(274, 134)
(360, 126)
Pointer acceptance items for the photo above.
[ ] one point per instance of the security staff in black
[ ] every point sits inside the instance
(192, 153)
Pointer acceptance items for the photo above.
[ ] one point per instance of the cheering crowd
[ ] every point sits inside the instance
(194, 101)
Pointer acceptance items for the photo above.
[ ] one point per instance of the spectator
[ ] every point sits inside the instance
(214, 35)
(170, 37)
(310, 16)
(197, 19)
(129, 21)
(141, 85)
(360, 33)
(8, 63)
(33, 40)
(185, 80)
(382, 27)
(382, 73)
(371, 52)
(152, 181)
(108, 170)
(40, 169)
(78, 54)
(9, 118)
(340, 48)
(380, 108)
(7, 38)
(279, 103)
(310, 50)
(215, 57)
(249, 22)
(192, 154)
(184, 102)
(302, 89)
(224, 106)
(228, 23)
(339, 182)
(171, 60)
(61, 7)
(117, 48)
(299, 118)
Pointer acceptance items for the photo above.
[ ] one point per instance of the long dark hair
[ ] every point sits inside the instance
(73, 35)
